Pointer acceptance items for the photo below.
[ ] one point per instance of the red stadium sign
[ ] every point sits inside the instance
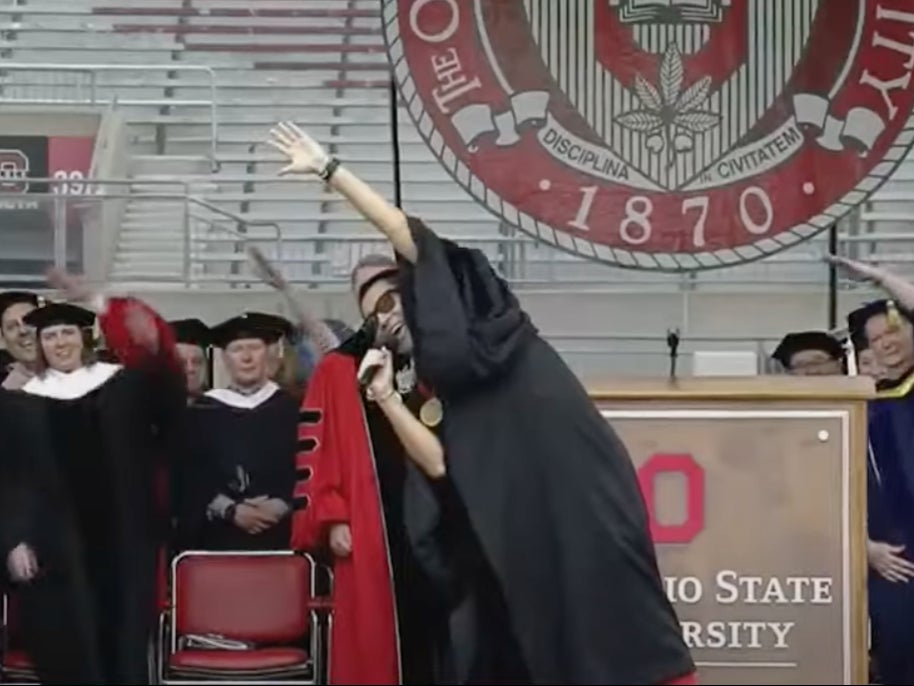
(661, 134)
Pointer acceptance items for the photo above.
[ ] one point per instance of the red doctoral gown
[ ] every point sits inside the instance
(338, 483)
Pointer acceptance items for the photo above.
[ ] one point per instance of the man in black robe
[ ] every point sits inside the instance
(566, 577)
(82, 539)
(18, 338)
(890, 489)
(240, 452)
(192, 343)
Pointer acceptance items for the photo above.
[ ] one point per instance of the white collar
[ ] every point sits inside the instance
(71, 385)
(243, 401)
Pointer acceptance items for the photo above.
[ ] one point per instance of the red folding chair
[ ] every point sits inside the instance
(15, 665)
(243, 617)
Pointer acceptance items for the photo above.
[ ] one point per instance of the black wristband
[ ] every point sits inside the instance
(329, 169)
(229, 513)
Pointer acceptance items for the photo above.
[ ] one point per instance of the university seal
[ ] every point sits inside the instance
(661, 134)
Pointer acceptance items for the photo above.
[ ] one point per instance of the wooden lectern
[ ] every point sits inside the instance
(756, 489)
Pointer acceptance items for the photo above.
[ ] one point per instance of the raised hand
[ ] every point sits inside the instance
(266, 271)
(142, 327)
(303, 153)
(856, 269)
(73, 287)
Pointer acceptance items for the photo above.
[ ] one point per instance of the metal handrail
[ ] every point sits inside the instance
(184, 191)
(239, 220)
(93, 69)
(189, 200)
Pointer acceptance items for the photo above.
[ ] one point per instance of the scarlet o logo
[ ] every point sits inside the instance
(694, 523)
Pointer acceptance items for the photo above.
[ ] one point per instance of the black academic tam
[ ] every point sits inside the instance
(54, 314)
(191, 332)
(244, 326)
(798, 341)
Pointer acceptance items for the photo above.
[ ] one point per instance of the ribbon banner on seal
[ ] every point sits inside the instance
(473, 121)
(861, 127)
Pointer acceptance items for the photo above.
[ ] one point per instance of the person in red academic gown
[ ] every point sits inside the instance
(83, 539)
(355, 480)
(554, 574)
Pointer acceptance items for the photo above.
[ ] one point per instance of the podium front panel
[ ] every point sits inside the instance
(750, 511)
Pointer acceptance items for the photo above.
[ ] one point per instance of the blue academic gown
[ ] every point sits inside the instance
(890, 513)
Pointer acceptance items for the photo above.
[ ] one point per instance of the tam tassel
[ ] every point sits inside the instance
(893, 315)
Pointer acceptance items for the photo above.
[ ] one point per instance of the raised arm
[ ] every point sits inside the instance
(314, 328)
(306, 156)
(899, 289)
(133, 331)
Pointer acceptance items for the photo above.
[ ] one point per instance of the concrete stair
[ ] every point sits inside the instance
(152, 242)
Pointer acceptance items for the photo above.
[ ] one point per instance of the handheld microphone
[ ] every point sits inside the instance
(366, 373)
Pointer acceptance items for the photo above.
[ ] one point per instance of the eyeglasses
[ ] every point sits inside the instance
(385, 304)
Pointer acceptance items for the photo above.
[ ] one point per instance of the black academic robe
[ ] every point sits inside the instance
(238, 452)
(6, 361)
(890, 519)
(569, 587)
(87, 507)
(14, 434)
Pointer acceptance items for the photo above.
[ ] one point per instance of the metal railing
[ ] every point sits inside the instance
(73, 95)
(520, 258)
(213, 233)
(48, 227)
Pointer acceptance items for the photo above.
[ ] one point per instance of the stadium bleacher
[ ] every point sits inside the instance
(201, 81)
(321, 63)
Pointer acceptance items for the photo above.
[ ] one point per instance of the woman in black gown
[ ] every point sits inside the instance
(82, 539)
(563, 586)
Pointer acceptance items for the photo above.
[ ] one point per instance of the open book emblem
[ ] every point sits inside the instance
(670, 11)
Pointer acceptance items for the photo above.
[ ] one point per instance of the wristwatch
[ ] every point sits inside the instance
(328, 169)
(229, 513)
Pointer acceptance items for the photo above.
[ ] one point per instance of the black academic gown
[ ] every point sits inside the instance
(87, 508)
(567, 590)
(890, 519)
(14, 434)
(239, 452)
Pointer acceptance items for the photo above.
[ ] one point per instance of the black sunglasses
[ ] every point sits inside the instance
(385, 304)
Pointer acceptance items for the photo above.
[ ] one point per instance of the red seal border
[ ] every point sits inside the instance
(566, 241)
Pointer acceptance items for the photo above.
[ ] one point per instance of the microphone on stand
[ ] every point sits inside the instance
(672, 342)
